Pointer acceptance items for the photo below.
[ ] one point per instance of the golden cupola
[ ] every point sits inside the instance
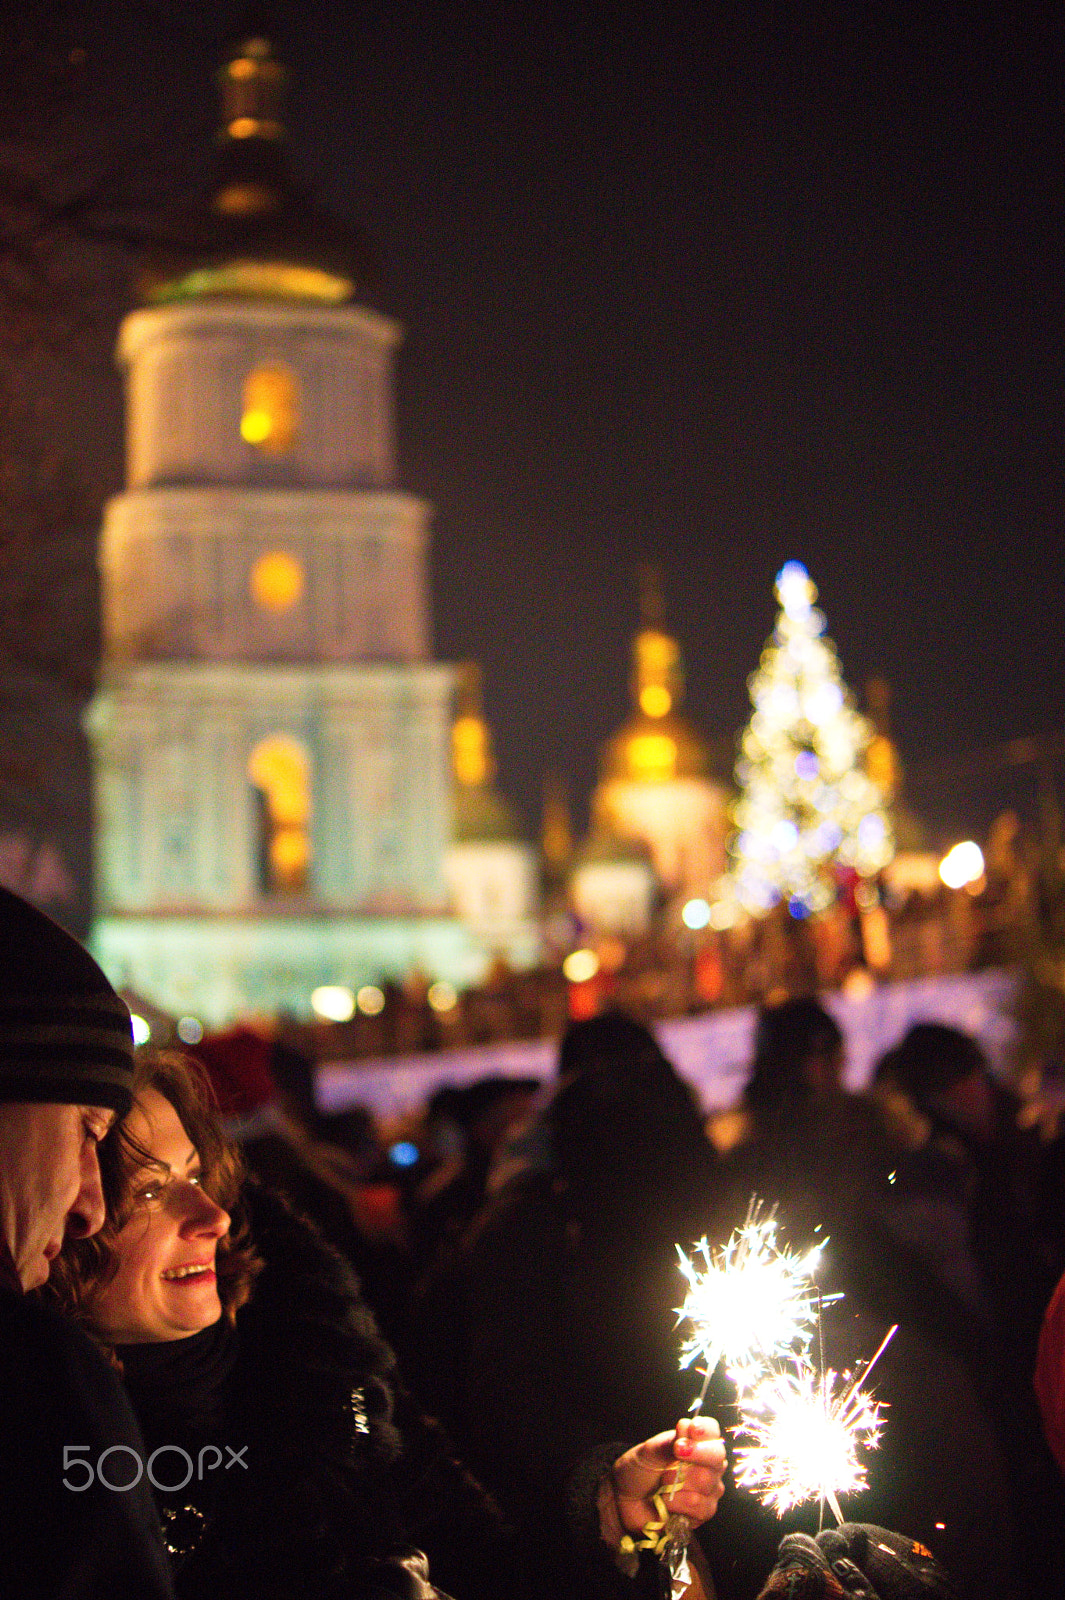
(657, 788)
(657, 744)
(480, 811)
(255, 233)
(491, 873)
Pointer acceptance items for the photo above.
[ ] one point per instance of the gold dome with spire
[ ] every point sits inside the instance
(657, 744)
(255, 233)
(481, 813)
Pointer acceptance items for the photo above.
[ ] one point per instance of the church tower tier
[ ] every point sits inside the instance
(244, 574)
(234, 391)
(244, 789)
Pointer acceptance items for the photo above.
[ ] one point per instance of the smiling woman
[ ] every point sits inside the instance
(166, 1285)
(290, 1386)
(170, 1180)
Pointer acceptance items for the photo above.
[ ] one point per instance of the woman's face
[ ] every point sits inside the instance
(165, 1287)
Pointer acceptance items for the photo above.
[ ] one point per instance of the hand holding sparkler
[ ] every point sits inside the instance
(685, 1465)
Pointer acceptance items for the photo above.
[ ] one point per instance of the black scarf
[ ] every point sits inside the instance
(178, 1388)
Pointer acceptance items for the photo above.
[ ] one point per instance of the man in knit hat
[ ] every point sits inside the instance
(76, 1516)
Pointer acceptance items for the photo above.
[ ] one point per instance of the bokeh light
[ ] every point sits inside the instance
(333, 1002)
(580, 965)
(962, 865)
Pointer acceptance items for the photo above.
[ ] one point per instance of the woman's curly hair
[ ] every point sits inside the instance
(85, 1265)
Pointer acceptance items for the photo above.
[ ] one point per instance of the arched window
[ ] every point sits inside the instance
(279, 769)
(270, 413)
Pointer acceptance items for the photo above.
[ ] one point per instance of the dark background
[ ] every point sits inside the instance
(716, 287)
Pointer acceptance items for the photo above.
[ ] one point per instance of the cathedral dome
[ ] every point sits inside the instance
(655, 750)
(658, 744)
(256, 234)
(657, 785)
(481, 815)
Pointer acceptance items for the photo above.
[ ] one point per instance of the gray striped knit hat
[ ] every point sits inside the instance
(65, 1036)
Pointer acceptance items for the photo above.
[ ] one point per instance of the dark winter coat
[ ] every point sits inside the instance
(342, 1473)
(552, 1329)
(62, 1409)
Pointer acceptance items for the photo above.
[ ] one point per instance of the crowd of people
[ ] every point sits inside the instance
(244, 1355)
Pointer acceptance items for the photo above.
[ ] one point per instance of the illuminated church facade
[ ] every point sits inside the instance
(272, 740)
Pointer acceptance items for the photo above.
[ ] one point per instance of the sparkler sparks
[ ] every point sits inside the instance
(807, 1432)
(750, 1302)
(756, 1306)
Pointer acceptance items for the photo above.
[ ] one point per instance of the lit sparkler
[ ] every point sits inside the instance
(750, 1302)
(808, 1432)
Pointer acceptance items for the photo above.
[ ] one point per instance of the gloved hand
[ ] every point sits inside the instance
(857, 1560)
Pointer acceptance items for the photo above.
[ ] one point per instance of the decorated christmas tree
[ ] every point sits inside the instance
(808, 817)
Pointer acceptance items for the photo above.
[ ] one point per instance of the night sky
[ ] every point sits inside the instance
(716, 290)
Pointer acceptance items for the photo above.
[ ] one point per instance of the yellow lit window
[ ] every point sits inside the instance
(280, 770)
(276, 581)
(270, 414)
(657, 651)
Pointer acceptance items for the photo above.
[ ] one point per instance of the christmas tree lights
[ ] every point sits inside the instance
(807, 808)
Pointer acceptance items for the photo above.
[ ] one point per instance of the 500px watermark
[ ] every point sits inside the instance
(77, 1459)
